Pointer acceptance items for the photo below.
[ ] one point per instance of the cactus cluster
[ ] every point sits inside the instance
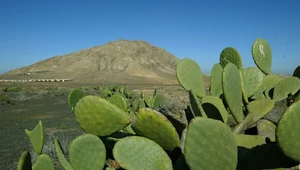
(120, 94)
(201, 137)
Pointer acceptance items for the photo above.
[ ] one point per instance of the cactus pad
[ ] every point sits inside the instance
(158, 99)
(137, 153)
(210, 144)
(119, 101)
(216, 80)
(43, 162)
(286, 86)
(297, 72)
(25, 161)
(190, 77)
(73, 97)
(157, 127)
(61, 157)
(232, 55)
(267, 129)
(232, 89)
(260, 108)
(287, 132)
(252, 80)
(36, 137)
(98, 116)
(196, 105)
(218, 103)
(87, 152)
(262, 55)
(249, 141)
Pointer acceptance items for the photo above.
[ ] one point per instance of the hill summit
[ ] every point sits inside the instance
(121, 61)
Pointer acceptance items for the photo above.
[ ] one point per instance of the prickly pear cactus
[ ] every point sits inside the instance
(286, 86)
(268, 83)
(119, 101)
(213, 139)
(36, 137)
(208, 102)
(98, 116)
(267, 129)
(25, 161)
(260, 108)
(44, 162)
(231, 55)
(252, 80)
(190, 76)
(155, 126)
(61, 157)
(137, 153)
(232, 88)
(287, 133)
(87, 152)
(297, 72)
(73, 97)
(262, 55)
(216, 80)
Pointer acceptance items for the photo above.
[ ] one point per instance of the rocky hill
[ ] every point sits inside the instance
(121, 61)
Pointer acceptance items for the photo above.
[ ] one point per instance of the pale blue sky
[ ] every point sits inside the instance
(34, 30)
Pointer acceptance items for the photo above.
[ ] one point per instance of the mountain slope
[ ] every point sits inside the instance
(121, 61)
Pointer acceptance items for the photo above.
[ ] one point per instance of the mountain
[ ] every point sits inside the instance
(121, 61)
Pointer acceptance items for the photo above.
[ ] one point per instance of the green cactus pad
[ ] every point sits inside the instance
(109, 168)
(297, 72)
(260, 108)
(190, 76)
(287, 132)
(44, 162)
(258, 95)
(218, 103)
(158, 99)
(98, 116)
(232, 55)
(232, 89)
(252, 80)
(119, 101)
(196, 105)
(216, 80)
(73, 97)
(36, 137)
(61, 157)
(157, 127)
(135, 153)
(268, 83)
(286, 86)
(210, 145)
(262, 55)
(267, 129)
(87, 152)
(25, 161)
(249, 141)
(176, 121)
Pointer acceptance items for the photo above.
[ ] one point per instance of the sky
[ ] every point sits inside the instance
(34, 30)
